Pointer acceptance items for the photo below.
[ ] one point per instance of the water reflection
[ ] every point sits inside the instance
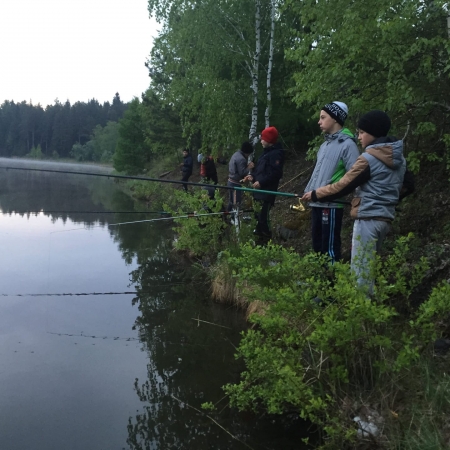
(189, 361)
(121, 369)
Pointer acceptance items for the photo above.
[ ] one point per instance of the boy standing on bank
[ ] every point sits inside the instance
(266, 176)
(335, 157)
(378, 178)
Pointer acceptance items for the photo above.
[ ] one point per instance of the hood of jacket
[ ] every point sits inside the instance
(388, 150)
(342, 135)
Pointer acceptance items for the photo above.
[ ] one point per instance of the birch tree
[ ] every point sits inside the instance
(210, 58)
(270, 63)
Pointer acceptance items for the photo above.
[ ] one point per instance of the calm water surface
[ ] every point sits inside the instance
(115, 370)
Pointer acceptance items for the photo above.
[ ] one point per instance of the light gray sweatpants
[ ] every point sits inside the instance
(368, 236)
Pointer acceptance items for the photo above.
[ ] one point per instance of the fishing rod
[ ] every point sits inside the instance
(184, 216)
(162, 213)
(160, 180)
(83, 212)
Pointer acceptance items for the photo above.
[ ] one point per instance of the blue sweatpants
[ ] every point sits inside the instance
(326, 224)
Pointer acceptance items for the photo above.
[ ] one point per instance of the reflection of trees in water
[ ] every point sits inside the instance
(21, 192)
(148, 242)
(188, 359)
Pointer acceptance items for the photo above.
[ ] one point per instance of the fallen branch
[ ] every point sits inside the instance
(210, 323)
(210, 418)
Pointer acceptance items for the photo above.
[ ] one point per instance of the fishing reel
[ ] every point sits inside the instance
(300, 207)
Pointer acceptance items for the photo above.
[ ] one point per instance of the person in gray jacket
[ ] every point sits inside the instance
(335, 157)
(377, 177)
(238, 169)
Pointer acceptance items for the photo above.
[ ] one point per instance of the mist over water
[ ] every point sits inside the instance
(98, 368)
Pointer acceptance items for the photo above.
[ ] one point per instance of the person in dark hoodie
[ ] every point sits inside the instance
(266, 176)
(335, 157)
(186, 167)
(378, 178)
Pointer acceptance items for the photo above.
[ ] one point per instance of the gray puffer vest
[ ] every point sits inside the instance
(377, 198)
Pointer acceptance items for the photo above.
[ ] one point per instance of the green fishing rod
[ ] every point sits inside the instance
(160, 180)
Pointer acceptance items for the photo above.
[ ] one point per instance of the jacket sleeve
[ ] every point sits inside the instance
(273, 170)
(356, 176)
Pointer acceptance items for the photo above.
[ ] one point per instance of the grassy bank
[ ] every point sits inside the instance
(366, 372)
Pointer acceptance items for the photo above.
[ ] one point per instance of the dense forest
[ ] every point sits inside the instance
(27, 129)
(223, 70)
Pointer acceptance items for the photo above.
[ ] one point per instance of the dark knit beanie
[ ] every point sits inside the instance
(376, 123)
(247, 148)
(270, 135)
(337, 110)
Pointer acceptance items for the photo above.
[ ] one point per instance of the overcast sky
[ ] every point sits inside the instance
(74, 50)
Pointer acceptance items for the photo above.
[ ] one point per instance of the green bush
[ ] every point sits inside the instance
(36, 152)
(202, 232)
(318, 360)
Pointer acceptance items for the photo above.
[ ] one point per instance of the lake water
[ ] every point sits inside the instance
(99, 346)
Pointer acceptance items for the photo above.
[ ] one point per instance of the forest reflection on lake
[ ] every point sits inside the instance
(110, 371)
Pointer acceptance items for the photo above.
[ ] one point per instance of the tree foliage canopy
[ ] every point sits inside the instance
(388, 54)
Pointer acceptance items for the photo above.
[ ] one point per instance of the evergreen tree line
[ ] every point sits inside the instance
(59, 130)
(223, 70)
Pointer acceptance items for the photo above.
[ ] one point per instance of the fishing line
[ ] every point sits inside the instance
(76, 294)
(83, 212)
(162, 213)
(181, 283)
(186, 216)
(116, 338)
(128, 339)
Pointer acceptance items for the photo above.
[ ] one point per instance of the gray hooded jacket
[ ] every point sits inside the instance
(335, 157)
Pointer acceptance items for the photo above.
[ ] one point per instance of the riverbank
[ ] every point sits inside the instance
(352, 366)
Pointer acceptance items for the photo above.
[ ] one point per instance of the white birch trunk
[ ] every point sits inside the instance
(270, 64)
(252, 136)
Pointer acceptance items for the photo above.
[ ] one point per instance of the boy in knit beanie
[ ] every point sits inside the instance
(335, 157)
(377, 177)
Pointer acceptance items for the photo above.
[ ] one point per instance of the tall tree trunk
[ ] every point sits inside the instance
(255, 70)
(270, 64)
(448, 24)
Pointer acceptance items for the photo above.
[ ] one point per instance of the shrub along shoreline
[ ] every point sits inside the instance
(365, 371)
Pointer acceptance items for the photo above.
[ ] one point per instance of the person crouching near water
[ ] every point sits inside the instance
(238, 169)
(186, 167)
(377, 177)
(266, 176)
